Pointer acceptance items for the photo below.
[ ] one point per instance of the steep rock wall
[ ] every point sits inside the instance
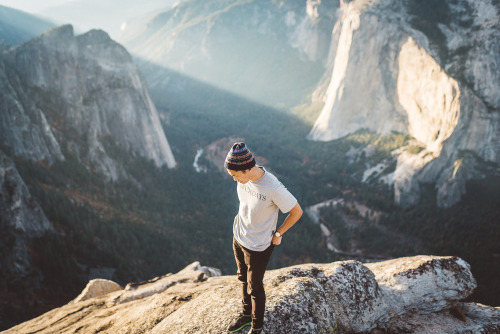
(21, 219)
(25, 130)
(81, 89)
(388, 76)
(63, 95)
(361, 90)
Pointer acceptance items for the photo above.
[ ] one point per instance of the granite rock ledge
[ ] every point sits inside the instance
(420, 294)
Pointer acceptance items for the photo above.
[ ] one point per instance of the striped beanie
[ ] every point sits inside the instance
(239, 158)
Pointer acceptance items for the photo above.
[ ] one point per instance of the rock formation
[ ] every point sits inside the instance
(389, 76)
(21, 219)
(96, 288)
(62, 94)
(428, 70)
(59, 89)
(412, 295)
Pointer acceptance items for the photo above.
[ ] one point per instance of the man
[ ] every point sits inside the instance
(261, 195)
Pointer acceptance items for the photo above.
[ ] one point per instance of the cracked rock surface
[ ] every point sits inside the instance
(420, 294)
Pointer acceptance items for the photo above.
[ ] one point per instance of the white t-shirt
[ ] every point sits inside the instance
(258, 213)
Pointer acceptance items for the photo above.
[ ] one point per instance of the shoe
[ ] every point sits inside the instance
(256, 331)
(241, 321)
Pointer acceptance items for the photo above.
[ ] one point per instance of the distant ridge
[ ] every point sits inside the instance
(17, 27)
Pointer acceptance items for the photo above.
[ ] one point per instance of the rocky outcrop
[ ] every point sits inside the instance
(17, 209)
(192, 273)
(96, 288)
(63, 95)
(412, 295)
(389, 76)
(78, 91)
(360, 94)
(21, 220)
(25, 130)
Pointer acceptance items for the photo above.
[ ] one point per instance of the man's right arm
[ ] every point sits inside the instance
(293, 216)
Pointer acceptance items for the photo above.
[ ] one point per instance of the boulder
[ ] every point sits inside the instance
(96, 288)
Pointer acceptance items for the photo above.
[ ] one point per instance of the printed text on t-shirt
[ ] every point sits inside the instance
(254, 193)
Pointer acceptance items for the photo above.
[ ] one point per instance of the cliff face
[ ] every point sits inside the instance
(21, 219)
(62, 94)
(387, 75)
(59, 89)
(271, 52)
(408, 295)
(429, 70)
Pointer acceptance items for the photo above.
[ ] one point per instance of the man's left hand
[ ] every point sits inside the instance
(276, 241)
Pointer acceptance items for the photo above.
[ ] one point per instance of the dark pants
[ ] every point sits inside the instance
(251, 268)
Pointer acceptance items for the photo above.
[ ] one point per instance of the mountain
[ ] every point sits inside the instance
(429, 70)
(420, 294)
(78, 128)
(272, 52)
(78, 92)
(17, 27)
(75, 108)
(21, 220)
(357, 169)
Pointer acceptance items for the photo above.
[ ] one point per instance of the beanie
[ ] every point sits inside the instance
(239, 158)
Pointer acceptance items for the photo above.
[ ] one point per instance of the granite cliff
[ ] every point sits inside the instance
(430, 71)
(64, 97)
(64, 92)
(21, 220)
(420, 294)
(82, 96)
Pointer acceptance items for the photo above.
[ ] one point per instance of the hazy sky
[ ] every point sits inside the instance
(89, 14)
(33, 6)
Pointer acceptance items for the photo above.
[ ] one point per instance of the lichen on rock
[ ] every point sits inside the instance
(412, 295)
